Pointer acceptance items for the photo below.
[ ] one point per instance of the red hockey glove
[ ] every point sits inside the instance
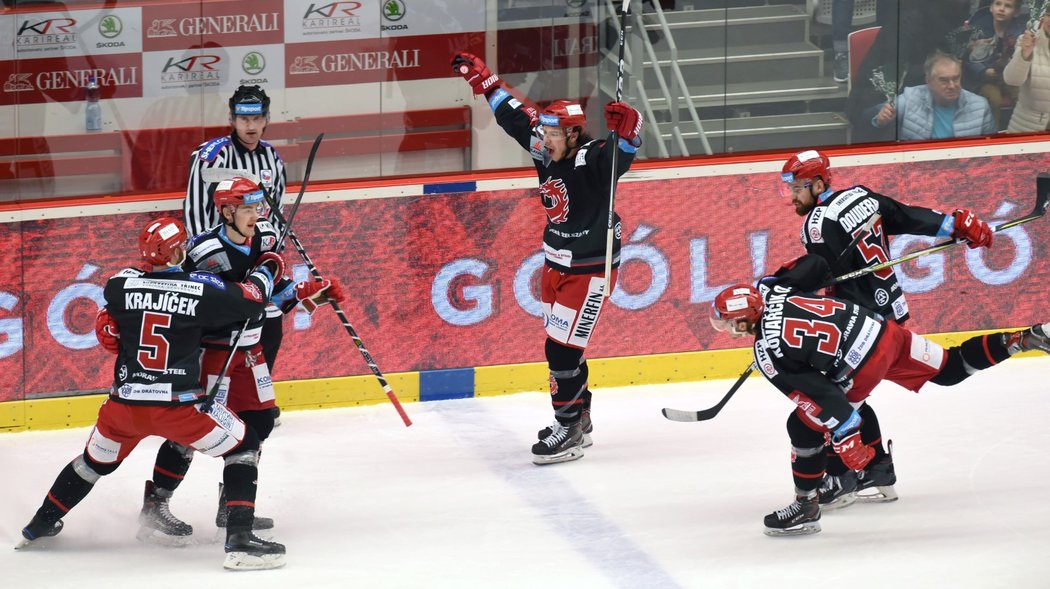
(972, 229)
(623, 119)
(475, 72)
(853, 452)
(107, 332)
(315, 293)
(274, 264)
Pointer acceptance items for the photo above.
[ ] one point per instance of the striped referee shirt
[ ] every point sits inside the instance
(227, 152)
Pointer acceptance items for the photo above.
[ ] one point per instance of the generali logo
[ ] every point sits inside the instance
(304, 64)
(71, 79)
(162, 27)
(223, 24)
(18, 83)
(47, 32)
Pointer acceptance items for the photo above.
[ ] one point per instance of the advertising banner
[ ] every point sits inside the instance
(65, 79)
(548, 48)
(451, 281)
(212, 69)
(180, 25)
(70, 33)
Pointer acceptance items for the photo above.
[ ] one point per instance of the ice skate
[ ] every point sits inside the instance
(875, 483)
(837, 492)
(1036, 337)
(35, 533)
(800, 518)
(246, 551)
(585, 425)
(564, 443)
(260, 523)
(156, 522)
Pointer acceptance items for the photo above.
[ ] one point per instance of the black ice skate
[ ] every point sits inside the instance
(800, 518)
(585, 425)
(246, 551)
(36, 530)
(875, 483)
(1036, 337)
(837, 492)
(156, 522)
(564, 443)
(261, 523)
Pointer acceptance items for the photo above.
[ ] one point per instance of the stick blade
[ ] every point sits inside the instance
(680, 415)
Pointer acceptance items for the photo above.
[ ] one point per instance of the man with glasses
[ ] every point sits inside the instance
(939, 110)
(227, 252)
(832, 219)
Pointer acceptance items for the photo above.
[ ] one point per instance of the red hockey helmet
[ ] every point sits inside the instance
(159, 240)
(563, 113)
(807, 165)
(236, 192)
(740, 302)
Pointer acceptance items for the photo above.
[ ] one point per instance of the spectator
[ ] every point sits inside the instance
(940, 109)
(1030, 69)
(995, 30)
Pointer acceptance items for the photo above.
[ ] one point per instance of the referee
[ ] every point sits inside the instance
(242, 149)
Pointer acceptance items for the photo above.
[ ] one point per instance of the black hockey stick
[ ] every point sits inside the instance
(1041, 201)
(705, 414)
(624, 12)
(210, 398)
(346, 322)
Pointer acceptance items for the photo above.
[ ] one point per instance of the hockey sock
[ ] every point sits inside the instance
(69, 489)
(808, 461)
(870, 433)
(173, 461)
(586, 405)
(568, 380)
(973, 355)
(240, 488)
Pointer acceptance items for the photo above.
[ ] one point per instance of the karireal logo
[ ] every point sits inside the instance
(393, 11)
(46, 33)
(194, 68)
(332, 16)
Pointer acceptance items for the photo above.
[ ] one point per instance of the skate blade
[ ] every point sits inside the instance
(566, 456)
(880, 495)
(839, 502)
(159, 538)
(242, 561)
(587, 441)
(800, 530)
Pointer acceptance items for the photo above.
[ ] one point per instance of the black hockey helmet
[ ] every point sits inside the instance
(249, 100)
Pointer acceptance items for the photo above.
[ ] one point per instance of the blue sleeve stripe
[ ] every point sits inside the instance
(627, 147)
(947, 226)
(497, 97)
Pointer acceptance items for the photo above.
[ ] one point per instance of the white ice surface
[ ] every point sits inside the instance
(454, 501)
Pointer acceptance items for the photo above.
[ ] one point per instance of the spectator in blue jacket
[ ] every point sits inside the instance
(940, 109)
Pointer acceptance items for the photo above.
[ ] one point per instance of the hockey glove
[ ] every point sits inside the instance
(852, 450)
(106, 331)
(315, 293)
(475, 72)
(626, 121)
(975, 231)
(271, 262)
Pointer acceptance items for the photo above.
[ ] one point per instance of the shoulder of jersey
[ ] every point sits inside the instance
(204, 244)
(210, 149)
(272, 149)
(129, 273)
(581, 155)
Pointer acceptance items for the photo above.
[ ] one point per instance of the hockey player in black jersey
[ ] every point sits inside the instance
(243, 149)
(574, 173)
(832, 219)
(827, 354)
(153, 321)
(230, 250)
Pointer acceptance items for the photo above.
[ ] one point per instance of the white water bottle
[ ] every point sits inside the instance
(93, 112)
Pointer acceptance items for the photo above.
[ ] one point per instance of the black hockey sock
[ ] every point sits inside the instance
(808, 461)
(586, 404)
(173, 461)
(68, 490)
(870, 433)
(974, 354)
(568, 380)
(834, 464)
(240, 488)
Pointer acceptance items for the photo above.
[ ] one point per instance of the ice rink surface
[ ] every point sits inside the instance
(454, 501)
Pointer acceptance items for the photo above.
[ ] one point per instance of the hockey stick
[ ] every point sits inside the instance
(346, 322)
(705, 414)
(210, 397)
(1039, 210)
(624, 12)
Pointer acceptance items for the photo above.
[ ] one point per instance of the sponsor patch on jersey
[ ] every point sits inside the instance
(164, 285)
(900, 308)
(926, 351)
(560, 257)
(129, 273)
(266, 177)
(212, 149)
(208, 278)
(558, 320)
(762, 359)
(813, 225)
(581, 157)
(204, 247)
(588, 315)
(156, 392)
(869, 332)
(845, 200)
(268, 241)
(805, 404)
(882, 297)
(251, 292)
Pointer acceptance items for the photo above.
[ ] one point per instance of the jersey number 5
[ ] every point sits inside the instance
(153, 347)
